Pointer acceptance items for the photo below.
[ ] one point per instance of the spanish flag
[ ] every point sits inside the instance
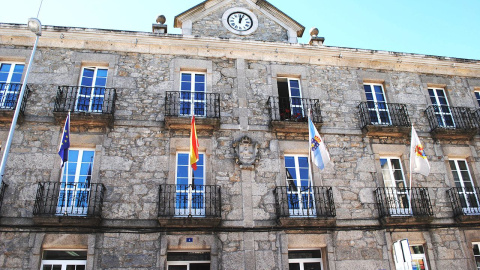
(193, 145)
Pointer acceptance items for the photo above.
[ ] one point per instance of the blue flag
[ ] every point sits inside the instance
(65, 143)
(318, 150)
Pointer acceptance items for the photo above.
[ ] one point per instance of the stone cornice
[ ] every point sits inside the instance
(298, 54)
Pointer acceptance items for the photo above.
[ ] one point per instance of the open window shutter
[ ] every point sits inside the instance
(402, 255)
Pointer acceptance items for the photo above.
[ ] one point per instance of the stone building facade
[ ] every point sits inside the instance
(254, 202)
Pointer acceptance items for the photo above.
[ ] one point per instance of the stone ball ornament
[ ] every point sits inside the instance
(314, 32)
(161, 19)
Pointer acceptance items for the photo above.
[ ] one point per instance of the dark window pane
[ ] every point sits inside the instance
(312, 266)
(293, 266)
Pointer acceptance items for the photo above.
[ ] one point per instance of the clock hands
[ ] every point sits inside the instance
(241, 17)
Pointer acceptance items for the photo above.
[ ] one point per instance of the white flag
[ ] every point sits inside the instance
(318, 150)
(418, 159)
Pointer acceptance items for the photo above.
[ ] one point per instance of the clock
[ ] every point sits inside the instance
(240, 21)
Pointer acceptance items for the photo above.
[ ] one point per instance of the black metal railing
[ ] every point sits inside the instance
(3, 187)
(450, 117)
(476, 117)
(9, 94)
(179, 103)
(313, 202)
(69, 199)
(189, 201)
(396, 202)
(465, 201)
(294, 109)
(85, 99)
(387, 114)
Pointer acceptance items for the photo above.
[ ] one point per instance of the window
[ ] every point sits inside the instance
(464, 186)
(441, 107)
(305, 260)
(395, 186)
(193, 94)
(377, 104)
(192, 260)
(477, 96)
(299, 186)
(419, 260)
(476, 254)
(190, 187)
(290, 99)
(75, 186)
(10, 79)
(92, 89)
(64, 260)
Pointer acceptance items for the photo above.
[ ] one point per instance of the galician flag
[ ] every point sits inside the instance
(65, 143)
(193, 145)
(318, 150)
(418, 159)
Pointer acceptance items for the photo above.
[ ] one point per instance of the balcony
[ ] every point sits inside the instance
(9, 94)
(74, 204)
(3, 187)
(178, 110)
(451, 122)
(305, 207)
(291, 114)
(384, 119)
(394, 205)
(465, 204)
(89, 106)
(189, 205)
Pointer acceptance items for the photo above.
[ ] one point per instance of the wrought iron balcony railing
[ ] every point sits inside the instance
(189, 201)
(294, 109)
(313, 202)
(9, 94)
(385, 114)
(465, 200)
(3, 187)
(69, 199)
(180, 103)
(446, 117)
(396, 202)
(99, 100)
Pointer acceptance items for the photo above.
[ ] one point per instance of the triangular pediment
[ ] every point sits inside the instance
(216, 18)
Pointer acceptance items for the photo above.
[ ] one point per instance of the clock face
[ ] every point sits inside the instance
(240, 21)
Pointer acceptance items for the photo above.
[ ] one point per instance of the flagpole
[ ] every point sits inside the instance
(35, 26)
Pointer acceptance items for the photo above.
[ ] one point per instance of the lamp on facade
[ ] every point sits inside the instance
(35, 26)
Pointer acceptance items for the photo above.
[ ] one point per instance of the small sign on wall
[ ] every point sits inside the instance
(189, 240)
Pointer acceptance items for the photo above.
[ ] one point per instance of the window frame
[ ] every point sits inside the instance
(64, 202)
(476, 94)
(295, 103)
(187, 262)
(299, 194)
(7, 88)
(422, 256)
(476, 256)
(64, 263)
(441, 110)
(397, 210)
(192, 101)
(191, 188)
(463, 194)
(302, 261)
(91, 96)
(376, 108)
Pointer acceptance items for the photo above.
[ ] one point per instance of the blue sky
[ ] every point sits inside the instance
(443, 27)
